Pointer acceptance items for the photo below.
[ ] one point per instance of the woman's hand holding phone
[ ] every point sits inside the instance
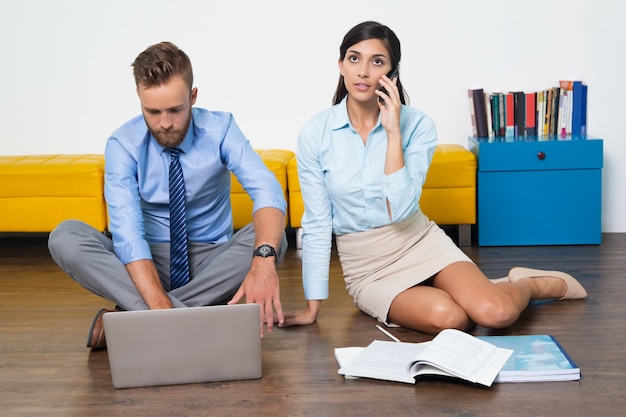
(391, 75)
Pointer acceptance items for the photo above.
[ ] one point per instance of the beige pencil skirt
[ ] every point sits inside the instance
(380, 263)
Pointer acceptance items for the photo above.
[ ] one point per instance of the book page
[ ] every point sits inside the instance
(451, 353)
(462, 355)
(345, 355)
(384, 360)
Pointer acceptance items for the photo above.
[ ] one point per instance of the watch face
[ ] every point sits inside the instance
(265, 251)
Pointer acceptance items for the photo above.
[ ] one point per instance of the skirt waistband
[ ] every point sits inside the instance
(376, 240)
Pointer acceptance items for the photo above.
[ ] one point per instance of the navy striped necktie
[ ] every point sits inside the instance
(179, 257)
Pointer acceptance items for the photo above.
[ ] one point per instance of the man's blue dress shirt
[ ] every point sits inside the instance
(136, 182)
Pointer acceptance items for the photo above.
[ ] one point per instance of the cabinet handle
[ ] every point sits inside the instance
(541, 156)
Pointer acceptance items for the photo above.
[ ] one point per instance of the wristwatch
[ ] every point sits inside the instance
(265, 251)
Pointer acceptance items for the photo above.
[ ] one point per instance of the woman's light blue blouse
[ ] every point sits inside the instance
(344, 187)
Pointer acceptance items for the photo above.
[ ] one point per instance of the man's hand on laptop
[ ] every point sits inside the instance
(261, 286)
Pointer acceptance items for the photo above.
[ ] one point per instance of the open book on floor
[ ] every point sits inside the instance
(452, 353)
(535, 358)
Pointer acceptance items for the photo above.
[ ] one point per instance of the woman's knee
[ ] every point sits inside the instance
(436, 318)
(496, 314)
(449, 316)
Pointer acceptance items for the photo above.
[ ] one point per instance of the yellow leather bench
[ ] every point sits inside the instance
(448, 195)
(276, 160)
(37, 192)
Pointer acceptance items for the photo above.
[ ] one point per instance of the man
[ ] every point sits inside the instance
(211, 264)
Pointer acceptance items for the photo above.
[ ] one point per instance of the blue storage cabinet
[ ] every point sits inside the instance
(543, 190)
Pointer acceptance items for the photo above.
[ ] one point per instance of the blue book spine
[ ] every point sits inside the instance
(577, 106)
(583, 117)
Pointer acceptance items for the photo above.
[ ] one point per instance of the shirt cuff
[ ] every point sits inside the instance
(132, 251)
(315, 289)
(397, 182)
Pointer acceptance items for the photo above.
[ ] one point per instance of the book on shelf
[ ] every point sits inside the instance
(495, 113)
(546, 119)
(578, 91)
(452, 353)
(565, 108)
(498, 110)
(478, 111)
(559, 110)
(530, 100)
(583, 111)
(519, 112)
(488, 114)
(554, 115)
(548, 113)
(541, 111)
(535, 358)
(470, 96)
(509, 118)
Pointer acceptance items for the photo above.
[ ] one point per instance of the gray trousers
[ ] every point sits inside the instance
(217, 270)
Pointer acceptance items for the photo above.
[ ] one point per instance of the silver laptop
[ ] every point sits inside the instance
(184, 345)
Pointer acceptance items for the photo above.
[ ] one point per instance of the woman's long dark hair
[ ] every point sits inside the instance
(364, 31)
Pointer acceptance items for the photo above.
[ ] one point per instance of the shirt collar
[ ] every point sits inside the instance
(185, 146)
(341, 115)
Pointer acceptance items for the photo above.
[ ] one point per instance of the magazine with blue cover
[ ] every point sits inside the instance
(535, 358)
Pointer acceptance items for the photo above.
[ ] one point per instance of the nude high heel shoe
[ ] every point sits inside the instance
(574, 289)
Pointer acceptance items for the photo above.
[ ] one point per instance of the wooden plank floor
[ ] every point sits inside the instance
(45, 370)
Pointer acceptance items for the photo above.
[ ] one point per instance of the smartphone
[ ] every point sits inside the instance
(391, 74)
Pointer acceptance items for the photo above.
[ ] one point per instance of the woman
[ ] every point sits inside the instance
(362, 164)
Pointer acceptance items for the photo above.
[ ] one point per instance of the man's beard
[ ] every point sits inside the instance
(171, 138)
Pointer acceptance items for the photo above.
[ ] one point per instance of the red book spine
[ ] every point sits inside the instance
(531, 114)
(509, 109)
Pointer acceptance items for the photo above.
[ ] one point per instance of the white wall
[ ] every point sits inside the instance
(66, 79)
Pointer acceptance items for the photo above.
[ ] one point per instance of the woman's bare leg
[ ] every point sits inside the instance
(489, 305)
(427, 309)
(461, 295)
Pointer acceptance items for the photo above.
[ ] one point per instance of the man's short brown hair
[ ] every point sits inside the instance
(159, 62)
